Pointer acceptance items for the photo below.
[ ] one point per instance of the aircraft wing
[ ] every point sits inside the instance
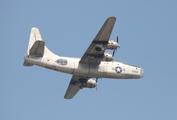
(73, 87)
(95, 51)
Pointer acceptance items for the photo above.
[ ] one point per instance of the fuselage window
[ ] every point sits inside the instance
(62, 61)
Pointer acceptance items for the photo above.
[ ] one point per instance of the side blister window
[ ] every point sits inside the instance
(62, 61)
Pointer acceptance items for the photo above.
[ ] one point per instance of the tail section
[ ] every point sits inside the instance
(34, 36)
(36, 47)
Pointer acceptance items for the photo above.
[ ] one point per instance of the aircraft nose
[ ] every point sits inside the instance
(142, 73)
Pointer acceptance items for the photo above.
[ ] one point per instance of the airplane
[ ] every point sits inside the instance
(95, 63)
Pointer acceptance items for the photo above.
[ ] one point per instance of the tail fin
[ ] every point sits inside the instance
(36, 46)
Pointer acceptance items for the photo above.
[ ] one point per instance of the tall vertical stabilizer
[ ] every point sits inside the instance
(36, 47)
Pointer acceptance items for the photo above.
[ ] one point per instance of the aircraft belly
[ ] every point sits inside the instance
(114, 75)
(81, 69)
(121, 76)
(69, 68)
(96, 71)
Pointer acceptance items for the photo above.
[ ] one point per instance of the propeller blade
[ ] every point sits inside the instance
(96, 82)
(117, 39)
(118, 42)
(113, 52)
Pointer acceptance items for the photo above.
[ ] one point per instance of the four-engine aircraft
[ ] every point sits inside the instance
(95, 63)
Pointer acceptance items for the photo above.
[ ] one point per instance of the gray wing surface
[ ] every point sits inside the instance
(73, 87)
(37, 48)
(93, 55)
(95, 52)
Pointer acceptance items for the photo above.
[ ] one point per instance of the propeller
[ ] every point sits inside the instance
(116, 48)
(118, 42)
(113, 53)
(96, 82)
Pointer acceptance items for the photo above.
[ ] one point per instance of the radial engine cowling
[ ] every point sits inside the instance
(107, 57)
(89, 84)
(112, 45)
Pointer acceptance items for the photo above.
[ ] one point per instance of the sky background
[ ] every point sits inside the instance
(147, 33)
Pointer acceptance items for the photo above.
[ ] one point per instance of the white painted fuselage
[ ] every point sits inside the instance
(69, 65)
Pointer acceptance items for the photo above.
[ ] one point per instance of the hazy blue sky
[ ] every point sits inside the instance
(147, 33)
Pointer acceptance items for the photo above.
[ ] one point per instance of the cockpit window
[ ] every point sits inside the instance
(62, 61)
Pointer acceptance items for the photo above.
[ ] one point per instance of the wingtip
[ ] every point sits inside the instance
(34, 28)
(112, 17)
(67, 98)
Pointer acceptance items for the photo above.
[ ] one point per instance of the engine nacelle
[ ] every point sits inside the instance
(88, 84)
(112, 45)
(107, 57)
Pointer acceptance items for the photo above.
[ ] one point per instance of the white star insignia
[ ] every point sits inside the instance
(118, 69)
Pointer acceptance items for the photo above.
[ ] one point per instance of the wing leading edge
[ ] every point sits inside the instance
(93, 55)
(95, 51)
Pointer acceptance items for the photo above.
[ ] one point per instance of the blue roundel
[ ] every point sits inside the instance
(118, 69)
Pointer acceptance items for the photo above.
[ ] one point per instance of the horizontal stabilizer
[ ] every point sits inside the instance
(27, 63)
(37, 49)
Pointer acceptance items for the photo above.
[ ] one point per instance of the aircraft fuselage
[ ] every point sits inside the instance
(105, 69)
